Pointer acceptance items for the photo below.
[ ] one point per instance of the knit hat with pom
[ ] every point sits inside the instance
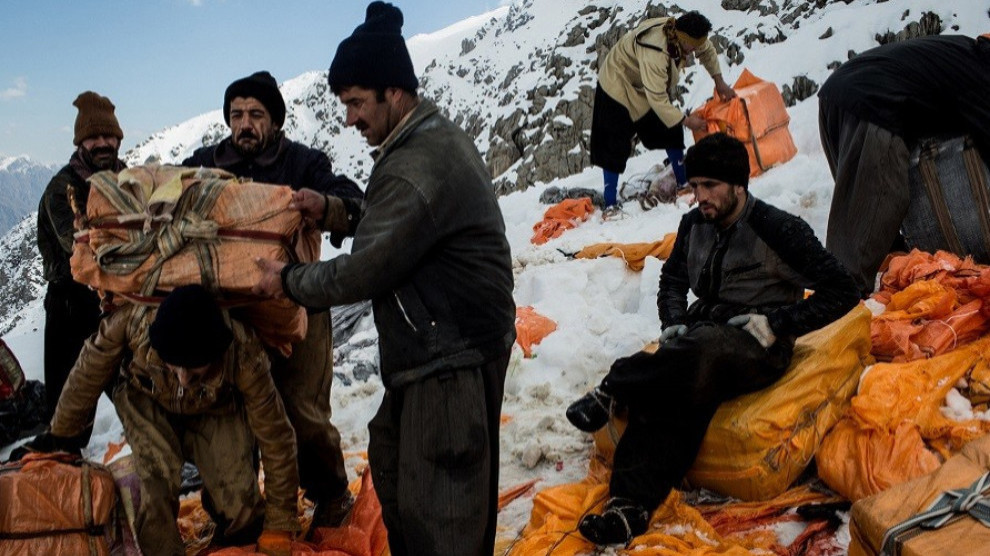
(95, 117)
(375, 55)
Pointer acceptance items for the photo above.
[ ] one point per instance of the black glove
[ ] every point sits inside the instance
(47, 443)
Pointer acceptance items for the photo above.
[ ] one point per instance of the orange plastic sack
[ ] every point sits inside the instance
(60, 498)
(561, 217)
(146, 232)
(757, 117)
(531, 328)
(634, 254)
(872, 517)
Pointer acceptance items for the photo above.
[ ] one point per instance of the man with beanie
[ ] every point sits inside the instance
(431, 254)
(258, 149)
(193, 385)
(72, 310)
(636, 82)
(874, 110)
(748, 263)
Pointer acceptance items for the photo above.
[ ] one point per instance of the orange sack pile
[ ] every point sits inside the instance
(561, 217)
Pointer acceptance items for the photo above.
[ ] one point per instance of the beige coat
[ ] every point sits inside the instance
(640, 74)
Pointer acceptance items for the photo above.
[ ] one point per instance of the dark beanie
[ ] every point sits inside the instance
(95, 117)
(262, 86)
(375, 55)
(189, 329)
(718, 156)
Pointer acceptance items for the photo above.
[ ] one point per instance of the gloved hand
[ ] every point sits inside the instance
(275, 543)
(757, 325)
(47, 443)
(672, 332)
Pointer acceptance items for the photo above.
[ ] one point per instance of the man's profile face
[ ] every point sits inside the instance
(717, 200)
(100, 151)
(373, 117)
(251, 126)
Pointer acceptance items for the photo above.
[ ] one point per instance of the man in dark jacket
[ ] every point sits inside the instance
(258, 149)
(72, 310)
(430, 252)
(872, 111)
(748, 263)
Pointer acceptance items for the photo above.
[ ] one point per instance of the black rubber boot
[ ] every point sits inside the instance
(591, 411)
(622, 520)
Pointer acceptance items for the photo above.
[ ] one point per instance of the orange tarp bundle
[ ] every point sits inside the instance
(757, 117)
(561, 217)
(871, 518)
(634, 254)
(531, 328)
(895, 429)
(158, 227)
(49, 498)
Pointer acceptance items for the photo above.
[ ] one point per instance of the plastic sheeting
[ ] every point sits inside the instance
(561, 217)
(634, 254)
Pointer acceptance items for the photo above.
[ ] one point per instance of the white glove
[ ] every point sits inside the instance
(672, 332)
(757, 325)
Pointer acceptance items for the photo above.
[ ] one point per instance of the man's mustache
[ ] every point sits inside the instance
(101, 151)
(246, 135)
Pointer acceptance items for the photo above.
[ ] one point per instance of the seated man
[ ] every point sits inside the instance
(194, 385)
(749, 264)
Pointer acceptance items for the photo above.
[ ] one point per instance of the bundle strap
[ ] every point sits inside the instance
(950, 506)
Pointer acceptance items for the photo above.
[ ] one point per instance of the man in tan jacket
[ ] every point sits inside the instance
(636, 82)
(193, 385)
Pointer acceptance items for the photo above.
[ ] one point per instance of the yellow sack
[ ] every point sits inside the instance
(759, 443)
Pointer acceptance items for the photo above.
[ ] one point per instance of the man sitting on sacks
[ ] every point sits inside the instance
(257, 148)
(749, 264)
(193, 385)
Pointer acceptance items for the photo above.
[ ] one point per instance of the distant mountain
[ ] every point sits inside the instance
(22, 181)
(21, 280)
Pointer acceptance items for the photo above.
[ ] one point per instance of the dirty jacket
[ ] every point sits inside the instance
(241, 379)
(640, 74)
(429, 251)
(762, 263)
(55, 217)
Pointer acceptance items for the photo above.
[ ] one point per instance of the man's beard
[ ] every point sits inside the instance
(100, 158)
(254, 149)
(721, 213)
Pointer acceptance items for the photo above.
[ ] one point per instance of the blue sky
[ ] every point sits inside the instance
(164, 61)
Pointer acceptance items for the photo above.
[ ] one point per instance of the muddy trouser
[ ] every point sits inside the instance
(222, 447)
(433, 453)
(871, 196)
(72, 314)
(672, 400)
(612, 131)
(303, 380)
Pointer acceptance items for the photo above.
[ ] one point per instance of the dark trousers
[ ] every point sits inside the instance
(303, 380)
(871, 195)
(433, 453)
(671, 397)
(612, 131)
(72, 314)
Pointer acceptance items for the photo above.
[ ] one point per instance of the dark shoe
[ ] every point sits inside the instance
(622, 520)
(331, 513)
(591, 411)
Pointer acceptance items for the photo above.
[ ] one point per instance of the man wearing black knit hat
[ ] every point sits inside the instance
(192, 384)
(258, 149)
(72, 310)
(748, 263)
(431, 254)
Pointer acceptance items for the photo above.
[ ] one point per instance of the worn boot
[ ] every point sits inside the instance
(591, 411)
(331, 513)
(622, 520)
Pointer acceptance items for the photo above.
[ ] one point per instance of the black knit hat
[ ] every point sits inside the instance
(262, 86)
(189, 328)
(718, 156)
(375, 55)
(95, 117)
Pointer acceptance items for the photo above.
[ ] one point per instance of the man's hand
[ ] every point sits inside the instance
(47, 443)
(275, 543)
(723, 90)
(694, 123)
(757, 325)
(672, 332)
(312, 204)
(270, 284)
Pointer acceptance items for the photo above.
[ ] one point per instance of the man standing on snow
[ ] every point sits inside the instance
(258, 149)
(748, 263)
(872, 111)
(430, 252)
(72, 310)
(193, 384)
(636, 81)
